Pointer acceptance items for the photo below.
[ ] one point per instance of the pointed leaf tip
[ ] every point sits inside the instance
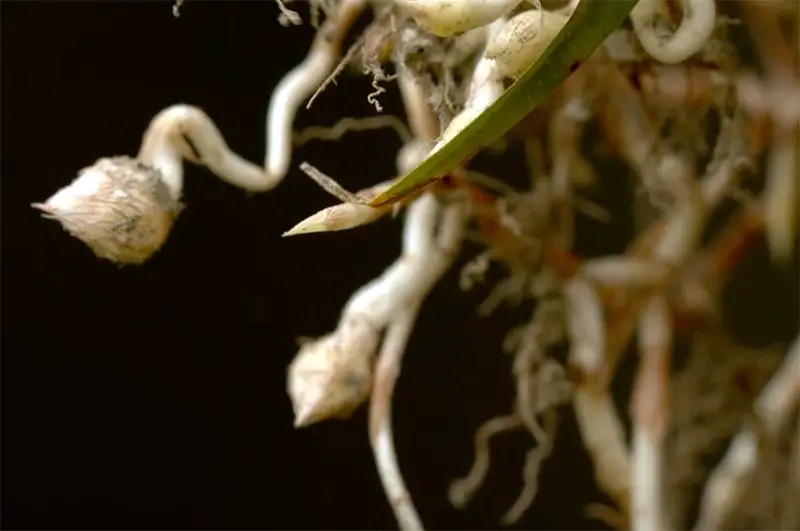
(587, 28)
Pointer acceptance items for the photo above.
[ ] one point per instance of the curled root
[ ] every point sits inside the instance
(698, 22)
(533, 464)
(349, 124)
(462, 490)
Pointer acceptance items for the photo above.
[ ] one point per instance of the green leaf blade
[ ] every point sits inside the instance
(587, 28)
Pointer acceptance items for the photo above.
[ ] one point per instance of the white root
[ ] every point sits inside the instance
(598, 420)
(316, 379)
(627, 272)
(329, 376)
(431, 258)
(380, 419)
(511, 46)
(287, 16)
(585, 325)
(486, 86)
(604, 438)
(301, 82)
(773, 408)
(349, 124)
(542, 386)
(185, 132)
(462, 490)
(782, 196)
(684, 226)
(699, 18)
(421, 120)
(113, 192)
(394, 343)
(649, 405)
(534, 459)
(437, 259)
(116, 207)
(650, 416)
(410, 277)
(123, 208)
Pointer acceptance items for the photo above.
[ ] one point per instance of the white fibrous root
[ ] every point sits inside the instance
(110, 206)
(648, 19)
(684, 226)
(649, 405)
(381, 434)
(184, 132)
(332, 376)
(782, 196)
(446, 18)
(598, 421)
(437, 255)
(119, 207)
(651, 416)
(454, 58)
(624, 272)
(773, 409)
(486, 86)
(511, 46)
(585, 325)
(302, 81)
(523, 39)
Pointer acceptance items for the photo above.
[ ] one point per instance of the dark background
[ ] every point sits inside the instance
(154, 396)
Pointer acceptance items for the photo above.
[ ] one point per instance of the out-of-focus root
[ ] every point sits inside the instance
(598, 420)
(380, 419)
(773, 408)
(462, 490)
(604, 437)
(533, 463)
(650, 415)
(434, 255)
(782, 196)
(625, 272)
(349, 124)
(697, 24)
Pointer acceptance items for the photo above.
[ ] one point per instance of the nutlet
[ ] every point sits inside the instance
(523, 39)
(120, 207)
(445, 18)
(332, 376)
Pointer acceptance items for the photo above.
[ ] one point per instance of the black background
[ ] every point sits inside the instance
(154, 396)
